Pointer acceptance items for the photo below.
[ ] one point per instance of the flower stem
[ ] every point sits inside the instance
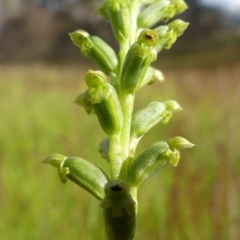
(127, 102)
(115, 156)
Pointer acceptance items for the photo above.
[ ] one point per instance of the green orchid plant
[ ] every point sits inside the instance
(110, 96)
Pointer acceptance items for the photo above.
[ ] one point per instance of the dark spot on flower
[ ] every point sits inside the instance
(116, 188)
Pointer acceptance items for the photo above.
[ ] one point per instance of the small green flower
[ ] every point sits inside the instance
(175, 144)
(169, 34)
(137, 61)
(162, 10)
(96, 49)
(104, 101)
(77, 170)
(118, 12)
(148, 162)
(152, 75)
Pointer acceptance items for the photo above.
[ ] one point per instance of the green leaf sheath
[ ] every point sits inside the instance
(96, 49)
(119, 211)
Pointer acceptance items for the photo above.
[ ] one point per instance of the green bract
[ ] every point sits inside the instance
(110, 94)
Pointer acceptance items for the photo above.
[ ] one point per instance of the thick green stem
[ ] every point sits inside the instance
(127, 99)
(124, 46)
(115, 156)
(135, 8)
(127, 102)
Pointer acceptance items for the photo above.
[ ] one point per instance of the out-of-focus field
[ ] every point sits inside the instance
(199, 199)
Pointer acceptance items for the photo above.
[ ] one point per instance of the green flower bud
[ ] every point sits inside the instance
(179, 6)
(161, 31)
(148, 37)
(175, 144)
(56, 160)
(178, 26)
(179, 143)
(137, 61)
(86, 104)
(169, 34)
(96, 49)
(118, 12)
(82, 172)
(95, 79)
(152, 75)
(175, 159)
(173, 105)
(145, 119)
(160, 11)
(105, 102)
(148, 162)
(119, 211)
(154, 13)
(103, 148)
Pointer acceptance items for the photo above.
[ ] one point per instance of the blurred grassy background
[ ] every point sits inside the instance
(198, 200)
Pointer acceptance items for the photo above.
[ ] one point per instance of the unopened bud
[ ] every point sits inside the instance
(96, 49)
(105, 102)
(118, 12)
(137, 61)
(148, 162)
(82, 172)
(160, 11)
